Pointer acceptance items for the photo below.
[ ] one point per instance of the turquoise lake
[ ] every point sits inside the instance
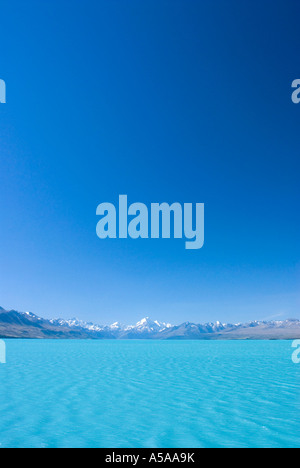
(163, 394)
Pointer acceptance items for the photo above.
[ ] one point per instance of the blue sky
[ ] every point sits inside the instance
(186, 101)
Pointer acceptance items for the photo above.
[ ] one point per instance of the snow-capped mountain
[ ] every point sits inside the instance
(75, 323)
(116, 326)
(148, 325)
(30, 315)
(143, 326)
(15, 324)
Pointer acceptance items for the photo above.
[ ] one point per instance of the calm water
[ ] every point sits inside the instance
(149, 394)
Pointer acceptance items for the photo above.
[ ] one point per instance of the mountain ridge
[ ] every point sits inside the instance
(14, 324)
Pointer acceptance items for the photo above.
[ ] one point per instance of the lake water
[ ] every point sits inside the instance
(149, 394)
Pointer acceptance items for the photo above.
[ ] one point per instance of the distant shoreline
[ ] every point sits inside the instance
(148, 339)
(25, 325)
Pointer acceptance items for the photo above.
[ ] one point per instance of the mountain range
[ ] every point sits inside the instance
(14, 324)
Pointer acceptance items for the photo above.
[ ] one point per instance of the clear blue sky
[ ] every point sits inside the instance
(186, 101)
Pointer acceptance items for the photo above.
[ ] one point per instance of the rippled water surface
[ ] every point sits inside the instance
(149, 394)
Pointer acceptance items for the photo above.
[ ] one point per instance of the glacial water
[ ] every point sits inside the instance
(149, 394)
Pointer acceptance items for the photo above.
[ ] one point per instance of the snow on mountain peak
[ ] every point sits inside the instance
(115, 326)
(148, 325)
